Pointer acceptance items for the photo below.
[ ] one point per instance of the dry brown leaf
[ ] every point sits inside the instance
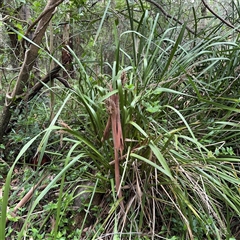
(115, 121)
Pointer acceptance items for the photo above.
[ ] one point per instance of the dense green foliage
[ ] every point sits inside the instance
(179, 104)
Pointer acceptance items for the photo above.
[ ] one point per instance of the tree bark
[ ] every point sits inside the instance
(29, 60)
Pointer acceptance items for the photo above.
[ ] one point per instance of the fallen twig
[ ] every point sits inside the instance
(25, 199)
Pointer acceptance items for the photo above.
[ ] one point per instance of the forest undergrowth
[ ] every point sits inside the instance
(175, 140)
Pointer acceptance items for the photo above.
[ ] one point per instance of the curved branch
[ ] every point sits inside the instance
(41, 15)
(219, 17)
(38, 86)
(169, 16)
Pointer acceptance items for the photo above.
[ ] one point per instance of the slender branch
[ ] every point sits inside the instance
(8, 17)
(219, 17)
(169, 16)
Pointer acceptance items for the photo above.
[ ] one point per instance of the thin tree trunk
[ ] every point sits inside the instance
(29, 60)
(52, 96)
